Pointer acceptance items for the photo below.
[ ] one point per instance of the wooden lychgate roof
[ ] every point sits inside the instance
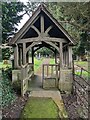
(27, 31)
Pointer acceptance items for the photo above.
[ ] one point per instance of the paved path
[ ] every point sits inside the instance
(37, 91)
(36, 82)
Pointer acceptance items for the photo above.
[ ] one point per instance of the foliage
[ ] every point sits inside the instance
(75, 18)
(11, 16)
(31, 7)
(8, 94)
(12, 13)
(4, 66)
(40, 108)
(45, 52)
(17, 86)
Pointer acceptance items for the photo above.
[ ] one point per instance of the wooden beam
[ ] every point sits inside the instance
(48, 29)
(42, 24)
(16, 57)
(41, 45)
(70, 56)
(33, 55)
(32, 45)
(53, 45)
(61, 54)
(24, 53)
(61, 28)
(38, 32)
(36, 39)
(25, 28)
(55, 56)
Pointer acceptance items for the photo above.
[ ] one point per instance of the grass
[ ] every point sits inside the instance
(37, 107)
(52, 61)
(83, 64)
(37, 63)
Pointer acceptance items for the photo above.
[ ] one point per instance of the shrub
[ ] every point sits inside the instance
(17, 86)
(8, 94)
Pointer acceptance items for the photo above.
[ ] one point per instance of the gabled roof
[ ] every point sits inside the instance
(33, 17)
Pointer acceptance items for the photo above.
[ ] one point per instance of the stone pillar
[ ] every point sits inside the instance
(70, 56)
(16, 57)
(24, 53)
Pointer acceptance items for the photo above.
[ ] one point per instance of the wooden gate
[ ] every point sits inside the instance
(26, 73)
(50, 75)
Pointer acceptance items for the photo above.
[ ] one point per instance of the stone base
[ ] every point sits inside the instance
(16, 75)
(49, 83)
(65, 82)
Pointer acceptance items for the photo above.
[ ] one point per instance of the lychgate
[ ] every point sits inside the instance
(43, 30)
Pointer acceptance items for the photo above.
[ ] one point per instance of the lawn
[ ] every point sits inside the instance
(37, 107)
(83, 64)
(52, 61)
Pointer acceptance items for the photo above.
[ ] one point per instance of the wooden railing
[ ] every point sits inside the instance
(81, 88)
(50, 72)
(26, 72)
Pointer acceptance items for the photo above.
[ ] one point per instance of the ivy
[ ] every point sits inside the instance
(8, 94)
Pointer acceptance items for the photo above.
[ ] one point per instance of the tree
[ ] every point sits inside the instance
(75, 18)
(12, 13)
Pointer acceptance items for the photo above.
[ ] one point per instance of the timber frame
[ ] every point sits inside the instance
(36, 34)
(42, 30)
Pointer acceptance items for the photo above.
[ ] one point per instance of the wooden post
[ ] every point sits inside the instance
(70, 56)
(42, 24)
(33, 55)
(20, 56)
(16, 57)
(61, 54)
(24, 53)
(52, 70)
(55, 56)
(27, 57)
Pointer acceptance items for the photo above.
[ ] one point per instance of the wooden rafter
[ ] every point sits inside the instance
(53, 45)
(48, 29)
(32, 45)
(38, 32)
(42, 24)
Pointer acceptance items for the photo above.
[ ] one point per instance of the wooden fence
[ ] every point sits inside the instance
(81, 89)
(26, 73)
